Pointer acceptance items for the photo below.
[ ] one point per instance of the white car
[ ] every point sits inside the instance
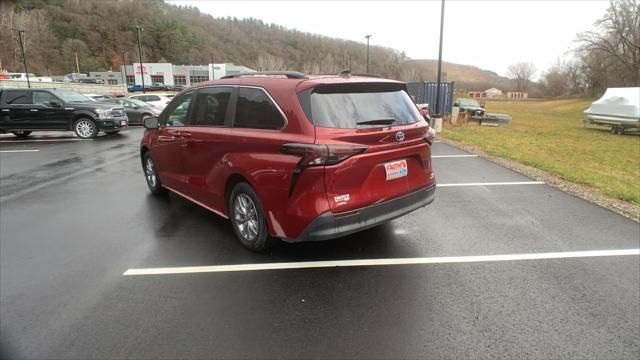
(159, 101)
(98, 97)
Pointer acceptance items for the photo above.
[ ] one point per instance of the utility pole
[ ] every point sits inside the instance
(77, 64)
(124, 70)
(439, 62)
(367, 37)
(138, 29)
(24, 57)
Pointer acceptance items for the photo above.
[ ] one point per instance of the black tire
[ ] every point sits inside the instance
(21, 134)
(85, 128)
(151, 175)
(253, 237)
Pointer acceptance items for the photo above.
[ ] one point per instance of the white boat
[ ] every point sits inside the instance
(618, 108)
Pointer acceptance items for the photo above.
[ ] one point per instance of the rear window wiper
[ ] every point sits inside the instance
(387, 121)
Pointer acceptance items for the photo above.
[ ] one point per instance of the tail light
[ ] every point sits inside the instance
(315, 155)
(430, 135)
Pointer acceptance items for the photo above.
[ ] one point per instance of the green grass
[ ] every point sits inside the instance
(551, 136)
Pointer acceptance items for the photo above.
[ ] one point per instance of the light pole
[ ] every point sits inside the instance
(439, 61)
(367, 37)
(124, 70)
(138, 29)
(24, 57)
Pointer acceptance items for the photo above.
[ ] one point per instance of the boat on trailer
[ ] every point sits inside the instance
(618, 108)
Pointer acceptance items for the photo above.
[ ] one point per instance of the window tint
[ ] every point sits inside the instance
(17, 97)
(346, 105)
(177, 114)
(211, 106)
(256, 110)
(43, 98)
(152, 98)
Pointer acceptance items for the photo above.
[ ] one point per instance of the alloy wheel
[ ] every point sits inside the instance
(150, 173)
(85, 128)
(246, 217)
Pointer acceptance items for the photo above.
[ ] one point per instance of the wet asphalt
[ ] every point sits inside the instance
(76, 214)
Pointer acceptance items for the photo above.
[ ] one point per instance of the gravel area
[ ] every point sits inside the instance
(627, 209)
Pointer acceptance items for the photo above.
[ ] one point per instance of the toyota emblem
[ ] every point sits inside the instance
(399, 136)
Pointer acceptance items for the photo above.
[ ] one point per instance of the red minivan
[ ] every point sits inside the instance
(289, 156)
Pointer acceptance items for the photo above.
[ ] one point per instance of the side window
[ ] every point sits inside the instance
(178, 113)
(256, 110)
(211, 106)
(43, 98)
(18, 97)
(152, 98)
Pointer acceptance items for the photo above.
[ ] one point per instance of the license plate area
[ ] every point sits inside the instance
(396, 169)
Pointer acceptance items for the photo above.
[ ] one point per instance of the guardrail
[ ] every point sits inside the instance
(79, 87)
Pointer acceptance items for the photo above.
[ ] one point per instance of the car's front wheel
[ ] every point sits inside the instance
(85, 128)
(151, 175)
(247, 217)
(21, 134)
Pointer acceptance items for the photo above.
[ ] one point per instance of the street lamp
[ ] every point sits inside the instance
(24, 57)
(367, 37)
(439, 61)
(138, 29)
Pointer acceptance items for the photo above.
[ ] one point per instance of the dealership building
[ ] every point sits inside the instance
(167, 74)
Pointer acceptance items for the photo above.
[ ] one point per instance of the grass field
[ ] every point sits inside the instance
(551, 136)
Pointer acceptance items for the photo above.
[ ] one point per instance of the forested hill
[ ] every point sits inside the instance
(99, 31)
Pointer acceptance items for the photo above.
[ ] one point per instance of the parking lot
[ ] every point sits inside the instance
(92, 266)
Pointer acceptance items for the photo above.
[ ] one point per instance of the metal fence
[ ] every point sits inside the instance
(79, 87)
(425, 93)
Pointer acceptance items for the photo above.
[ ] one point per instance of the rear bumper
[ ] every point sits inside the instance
(332, 225)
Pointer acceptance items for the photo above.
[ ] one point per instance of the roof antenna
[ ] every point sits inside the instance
(344, 72)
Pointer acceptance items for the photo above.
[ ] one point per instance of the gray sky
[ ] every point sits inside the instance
(488, 34)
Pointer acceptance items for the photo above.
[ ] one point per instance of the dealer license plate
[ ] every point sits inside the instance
(396, 169)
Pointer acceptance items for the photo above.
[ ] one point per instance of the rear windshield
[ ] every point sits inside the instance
(351, 106)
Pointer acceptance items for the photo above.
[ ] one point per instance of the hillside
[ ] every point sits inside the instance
(466, 77)
(101, 31)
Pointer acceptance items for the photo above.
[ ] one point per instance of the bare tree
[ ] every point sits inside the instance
(522, 73)
(556, 79)
(616, 39)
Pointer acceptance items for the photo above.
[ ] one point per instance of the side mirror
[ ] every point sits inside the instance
(151, 122)
(55, 104)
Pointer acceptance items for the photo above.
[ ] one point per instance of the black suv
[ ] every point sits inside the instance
(25, 110)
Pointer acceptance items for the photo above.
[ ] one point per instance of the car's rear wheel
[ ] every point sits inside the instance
(85, 128)
(21, 134)
(247, 217)
(151, 175)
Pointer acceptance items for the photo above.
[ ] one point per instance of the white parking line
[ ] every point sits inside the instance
(494, 183)
(41, 140)
(378, 262)
(453, 156)
(18, 151)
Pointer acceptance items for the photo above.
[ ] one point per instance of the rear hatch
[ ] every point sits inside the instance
(382, 136)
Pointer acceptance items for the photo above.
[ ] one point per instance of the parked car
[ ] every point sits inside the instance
(292, 156)
(136, 110)
(159, 101)
(98, 97)
(470, 106)
(23, 111)
(32, 77)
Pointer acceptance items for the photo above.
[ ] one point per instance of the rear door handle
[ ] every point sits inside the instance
(186, 135)
(33, 110)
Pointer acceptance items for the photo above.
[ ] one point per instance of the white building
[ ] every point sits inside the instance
(493, 93)
(171, 75)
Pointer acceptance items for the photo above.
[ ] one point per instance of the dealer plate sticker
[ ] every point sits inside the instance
(396, 169)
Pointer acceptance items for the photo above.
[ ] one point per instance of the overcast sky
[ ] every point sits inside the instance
(488, 34)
